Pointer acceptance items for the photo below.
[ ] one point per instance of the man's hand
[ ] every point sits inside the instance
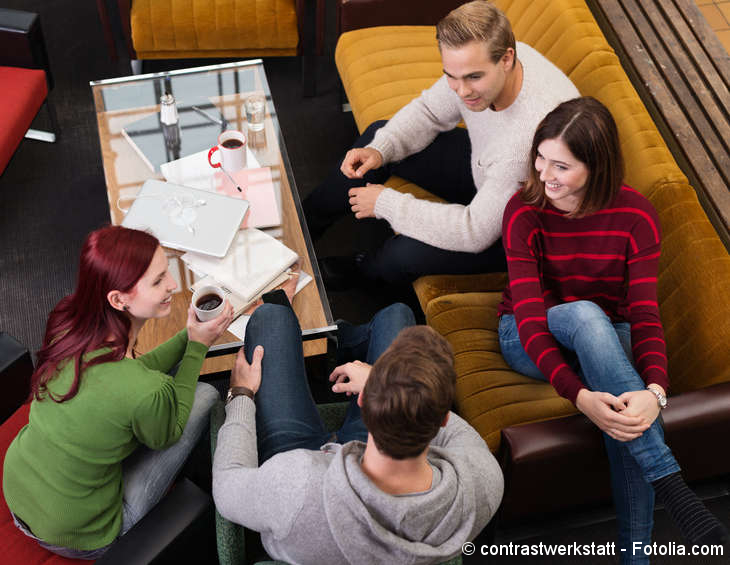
(350, 378)
(207, 332)
(605, 411)
(247, 375)
(359, 161)
(363, 198)
(641, 403)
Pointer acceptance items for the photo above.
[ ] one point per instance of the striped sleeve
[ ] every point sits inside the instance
(647, 335)
(528, 304)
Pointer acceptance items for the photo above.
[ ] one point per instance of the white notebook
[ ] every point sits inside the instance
(253, 261)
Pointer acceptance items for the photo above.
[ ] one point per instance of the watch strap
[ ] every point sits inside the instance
(660, 398)
(235, 391)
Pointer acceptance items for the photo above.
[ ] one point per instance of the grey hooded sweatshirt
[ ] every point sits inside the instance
(319, 507)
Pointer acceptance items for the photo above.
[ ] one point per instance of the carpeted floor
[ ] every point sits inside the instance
(52, 195)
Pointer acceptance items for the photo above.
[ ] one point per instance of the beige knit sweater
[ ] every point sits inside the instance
(500, 143)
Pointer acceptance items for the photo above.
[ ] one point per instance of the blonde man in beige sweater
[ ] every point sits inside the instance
(501, 90)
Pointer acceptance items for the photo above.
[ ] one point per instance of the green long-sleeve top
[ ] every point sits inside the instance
(63, 471)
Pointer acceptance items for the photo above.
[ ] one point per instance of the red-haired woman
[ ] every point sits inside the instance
(108, 431)
(581, 312)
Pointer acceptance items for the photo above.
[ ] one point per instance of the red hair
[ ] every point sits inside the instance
(112, 258)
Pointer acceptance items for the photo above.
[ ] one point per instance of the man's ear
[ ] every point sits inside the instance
(116, 299)
(446, 419)
(508, 59)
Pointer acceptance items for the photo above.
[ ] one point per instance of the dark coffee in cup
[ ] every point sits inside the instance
(209, 302)
(232, 143)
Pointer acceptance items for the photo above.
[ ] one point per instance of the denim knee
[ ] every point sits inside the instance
(275, 314)
(397, 314)
(587, 312)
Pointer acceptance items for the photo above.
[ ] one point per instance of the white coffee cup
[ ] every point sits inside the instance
(204, 302)
(232, 147)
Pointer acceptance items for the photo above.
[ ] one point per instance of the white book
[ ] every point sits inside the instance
(253, 261)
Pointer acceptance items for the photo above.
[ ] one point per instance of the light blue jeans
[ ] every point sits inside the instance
(600, 352)
(147, 474)
(286, 415)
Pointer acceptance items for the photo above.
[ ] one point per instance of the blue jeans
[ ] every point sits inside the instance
(286, 415)
(147, 475)
(600, 352)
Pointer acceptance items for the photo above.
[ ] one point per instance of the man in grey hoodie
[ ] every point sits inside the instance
(421, 484)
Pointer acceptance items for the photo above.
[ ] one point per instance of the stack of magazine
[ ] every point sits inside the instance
(254, 264)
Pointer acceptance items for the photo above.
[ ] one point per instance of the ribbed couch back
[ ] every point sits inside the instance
(213, 28)
(381, 72)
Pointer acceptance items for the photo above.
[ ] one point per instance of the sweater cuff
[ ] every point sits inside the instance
(384, 147)
(660, 380)
(197, 348)
(571, 390)
(241, 409)
(388, 203)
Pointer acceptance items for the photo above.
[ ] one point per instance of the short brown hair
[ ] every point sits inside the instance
(587, 128)
(409, 392)
(477, 21)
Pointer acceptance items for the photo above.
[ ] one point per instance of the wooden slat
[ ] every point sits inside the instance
(682, 72)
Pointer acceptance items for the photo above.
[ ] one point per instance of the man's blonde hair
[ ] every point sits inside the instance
(477, 21)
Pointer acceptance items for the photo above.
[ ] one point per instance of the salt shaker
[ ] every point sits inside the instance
(168, 109)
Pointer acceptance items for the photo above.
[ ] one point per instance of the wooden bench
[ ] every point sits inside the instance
(682, 73)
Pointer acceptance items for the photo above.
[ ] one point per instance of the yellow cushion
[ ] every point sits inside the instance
(489, 395)
(213, 28)
(384, 68)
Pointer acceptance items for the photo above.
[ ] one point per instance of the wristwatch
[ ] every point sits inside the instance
(660, 398)
(235, 391)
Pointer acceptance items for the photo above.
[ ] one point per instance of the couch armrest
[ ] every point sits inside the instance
(160, 527)
(22, 43)
(356, 14)
(557, 464)
(432, 286)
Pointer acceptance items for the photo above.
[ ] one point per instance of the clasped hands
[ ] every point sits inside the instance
(357, 162)
(623, 417)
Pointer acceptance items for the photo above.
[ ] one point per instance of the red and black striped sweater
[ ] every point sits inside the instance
(610, 258)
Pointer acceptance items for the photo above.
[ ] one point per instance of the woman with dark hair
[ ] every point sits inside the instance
(581, 312)
(108, 431)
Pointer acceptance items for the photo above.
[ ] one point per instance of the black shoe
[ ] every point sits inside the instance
(342, 273)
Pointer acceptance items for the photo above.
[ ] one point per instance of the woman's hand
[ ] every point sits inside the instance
(606, 411)
(207, 332)
(350, 377)
(641, 403)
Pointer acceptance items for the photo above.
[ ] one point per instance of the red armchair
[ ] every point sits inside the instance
(25, 79)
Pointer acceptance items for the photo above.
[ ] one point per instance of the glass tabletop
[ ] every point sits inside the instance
(135, 147)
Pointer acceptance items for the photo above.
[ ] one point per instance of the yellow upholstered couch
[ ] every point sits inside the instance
(382, 68)
(187, 29)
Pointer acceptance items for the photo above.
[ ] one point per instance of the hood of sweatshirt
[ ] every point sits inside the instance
(371, 526)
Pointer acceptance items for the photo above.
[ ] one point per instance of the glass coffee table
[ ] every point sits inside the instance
(209, 100)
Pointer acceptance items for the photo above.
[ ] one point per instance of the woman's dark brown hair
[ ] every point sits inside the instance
(589, 131)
